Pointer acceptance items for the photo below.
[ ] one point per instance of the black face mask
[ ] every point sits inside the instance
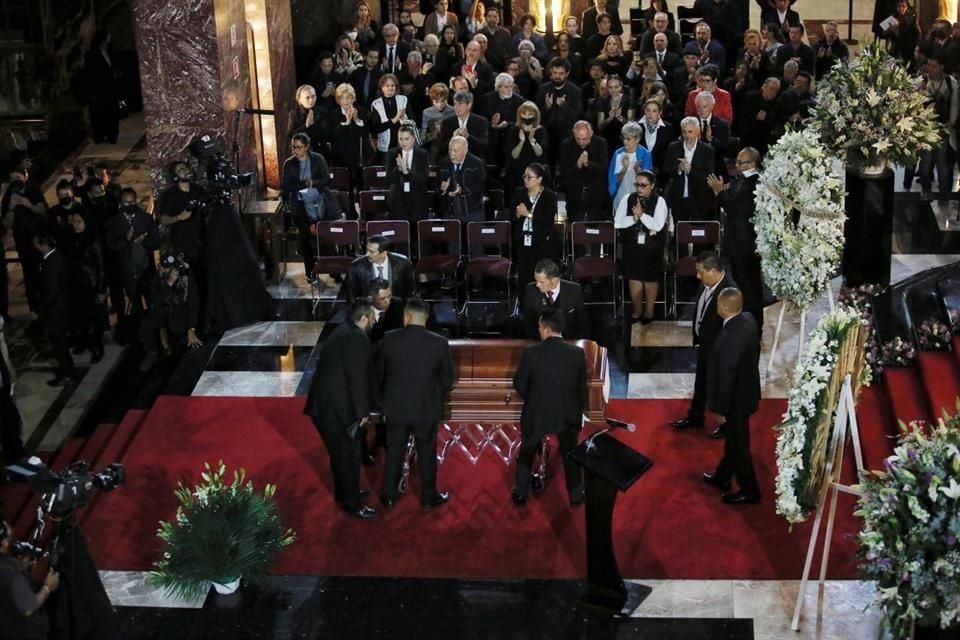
(183, 179)
(526, 121)
(66, 202)
(128, 209)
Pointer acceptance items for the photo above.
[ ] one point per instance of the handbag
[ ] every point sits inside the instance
(314, 204)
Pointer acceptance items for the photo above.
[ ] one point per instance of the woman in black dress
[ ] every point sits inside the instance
(526, 143)
(641, 218)
(88, 288)
(535, 236)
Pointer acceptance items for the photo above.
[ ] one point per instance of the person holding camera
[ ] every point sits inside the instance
(22, 614)
(174, 313)
(179, 212)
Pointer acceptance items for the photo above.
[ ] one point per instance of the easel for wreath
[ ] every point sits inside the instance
(803, 332)
(844, 427)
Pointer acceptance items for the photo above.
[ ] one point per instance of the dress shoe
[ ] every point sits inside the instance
(364, 513)
(441, 498)
(686, 423)
(719, 432)
(387, 502)
(576, 498)
(741, 498)
(364, 493)
(714, 480)
(368, 460)
(519, 500)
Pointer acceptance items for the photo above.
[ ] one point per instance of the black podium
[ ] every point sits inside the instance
(868, 232)
(610, 466)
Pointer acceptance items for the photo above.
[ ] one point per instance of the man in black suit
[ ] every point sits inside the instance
(706, 327)
(54, 311)
(661, 24)
(477, 72)
(366, 79)
(714, 130)
(415, 373)
(393, 51)
(588, 19)
(759, 123)
(796, 49)
(780, 15)
(305, 169)
(466, 124)
(552, 380)
(667, 60)
(463, 180)
(734, 394)
(387, 309)
(687, 164)
(797, 101)
(560, 102)
(583, 173)
(340, 400)
(382, 263)
(739, 236)
(548, 291)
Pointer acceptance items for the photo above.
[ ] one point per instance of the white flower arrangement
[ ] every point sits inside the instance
(796, 499)
(799, 256)
(868, 111)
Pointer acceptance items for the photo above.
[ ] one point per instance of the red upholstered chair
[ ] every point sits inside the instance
(375, 178)
(488, 249)
(438, 248)
(693, 236)
(374, 205)
(593, 247)
(396, 231)
(344, 236)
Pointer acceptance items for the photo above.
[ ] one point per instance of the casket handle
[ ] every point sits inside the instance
(506, 399)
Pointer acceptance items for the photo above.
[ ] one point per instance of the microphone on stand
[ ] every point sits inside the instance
(259, 112)
(611, 425)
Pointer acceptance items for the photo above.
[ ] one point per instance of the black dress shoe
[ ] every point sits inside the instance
(441, 498)
(387, 502)
(719, 432)
(364, 493)
(741, 498)
(714, 480)
(364, 513)
(368, 460)
(519, 500)
(576, 498)
(686, 423)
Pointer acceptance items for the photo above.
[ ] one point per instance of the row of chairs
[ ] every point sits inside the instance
(488, 251)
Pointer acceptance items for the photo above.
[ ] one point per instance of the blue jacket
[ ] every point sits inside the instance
(644, 161)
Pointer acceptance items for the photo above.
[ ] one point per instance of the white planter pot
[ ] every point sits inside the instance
(228, 588)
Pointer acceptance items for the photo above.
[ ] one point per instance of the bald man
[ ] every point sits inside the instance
(463, 181)
(733, 392)
(583, 173)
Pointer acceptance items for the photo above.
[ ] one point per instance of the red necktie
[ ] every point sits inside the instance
(549, 297)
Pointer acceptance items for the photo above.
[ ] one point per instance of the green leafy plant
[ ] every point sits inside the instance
(221, 532)
(911, 526)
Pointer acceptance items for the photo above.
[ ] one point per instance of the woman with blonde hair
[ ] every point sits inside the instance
(759, 65)
(364, 29)
(526, 143)
(612, 58)
(348, 129)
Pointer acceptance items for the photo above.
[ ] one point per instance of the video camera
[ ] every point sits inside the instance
(63, 493)
(210, 150)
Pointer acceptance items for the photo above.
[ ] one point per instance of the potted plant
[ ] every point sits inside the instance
(911, 526)
(220, 533)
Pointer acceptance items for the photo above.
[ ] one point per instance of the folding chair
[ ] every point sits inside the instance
(344, 237)
(593, 247)
(488, 255)
(397, 231)
(697, 235)
(374, 205)
(494, 203)
(340, 179)
(438, 248)
(687, 19)
(375, 178)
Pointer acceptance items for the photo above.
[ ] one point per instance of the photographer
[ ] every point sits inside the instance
(178, 210)
(174, 313)
(22, 616)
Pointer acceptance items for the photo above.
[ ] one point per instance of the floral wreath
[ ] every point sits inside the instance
(804, 434)
(799, 218)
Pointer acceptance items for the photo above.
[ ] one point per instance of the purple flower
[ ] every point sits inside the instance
(951, 540)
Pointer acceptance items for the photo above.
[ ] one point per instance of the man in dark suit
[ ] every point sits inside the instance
(408, 171)
(661, 24)
(382, 263)
(739, 236)
(548, 291)
(588, 19)
(393, 51)
(305, 169)
(54, 311)
(552, 380)
(706, 327)
(463, 180)
(667, 60)
(415, 373)
(797, 101)
(734, 394)
(759, 123)
(781, 15)
(366, 79)
(466, 124)
(340, 400)
(714, 130)
(710, 50)
(560, 103)
(796, 49)
(387, 309)
(687, 164)
(477, 72)
(583, 172)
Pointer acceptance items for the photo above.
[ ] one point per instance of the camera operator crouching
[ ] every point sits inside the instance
(174, 312)
(22, 612)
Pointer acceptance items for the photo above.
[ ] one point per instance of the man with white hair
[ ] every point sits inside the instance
(714, 130)
(686, 165)
(463, 182)
(830, 48)
(500, 108)
(661, 24)
(414, 80)
(393, 52)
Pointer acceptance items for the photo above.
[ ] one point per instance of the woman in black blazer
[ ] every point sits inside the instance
(657, 134)
(303, 170)
(535, 236)
(408, 180)
(348, 133)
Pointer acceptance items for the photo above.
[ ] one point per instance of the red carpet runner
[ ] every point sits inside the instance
(669, 525)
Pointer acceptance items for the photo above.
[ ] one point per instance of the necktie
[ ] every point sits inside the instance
(380, 271)
(459, 167)
(550, 297)
(390, 58)
(660, 59)
(703, 127)
(366, 86)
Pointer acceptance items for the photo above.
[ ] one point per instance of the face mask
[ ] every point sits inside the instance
(66, 202)
(526, 121)
(185, 178)
(128, 209)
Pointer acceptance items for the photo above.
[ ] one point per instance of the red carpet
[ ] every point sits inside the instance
(669, 525)
(941, 377)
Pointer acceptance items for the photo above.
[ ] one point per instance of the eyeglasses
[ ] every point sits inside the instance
(298, 146)
(528, 176)
(741, 162)
(644, 185)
